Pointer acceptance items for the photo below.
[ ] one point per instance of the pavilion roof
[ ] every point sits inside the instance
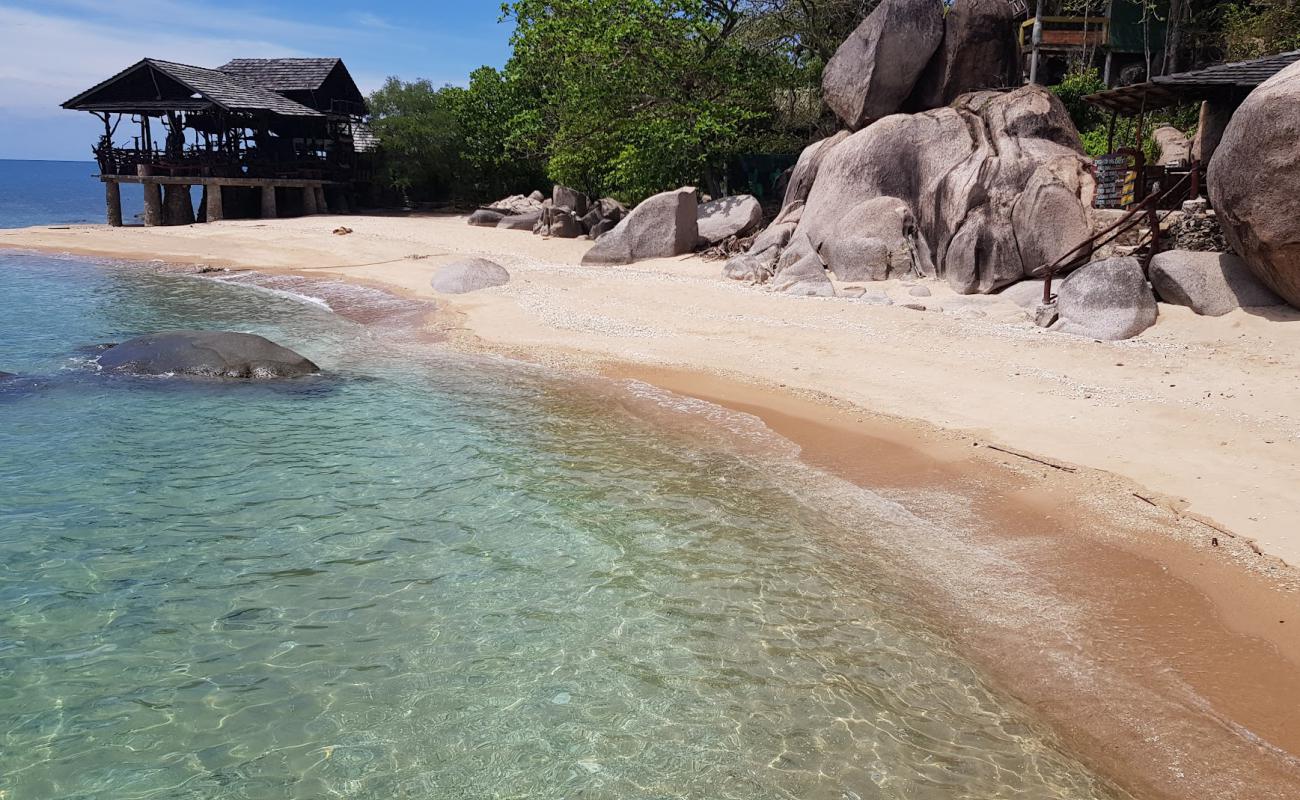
(1236, 78)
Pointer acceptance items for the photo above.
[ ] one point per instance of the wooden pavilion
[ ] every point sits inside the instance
(1219, 89)
(262, 136)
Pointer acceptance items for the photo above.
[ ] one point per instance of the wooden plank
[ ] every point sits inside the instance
(184, 180)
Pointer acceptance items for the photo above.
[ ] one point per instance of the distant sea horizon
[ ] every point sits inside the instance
(58, 192)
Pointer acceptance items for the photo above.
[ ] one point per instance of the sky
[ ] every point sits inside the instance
(52, 50)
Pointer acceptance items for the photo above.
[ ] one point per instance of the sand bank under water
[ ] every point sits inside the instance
(1093, 503)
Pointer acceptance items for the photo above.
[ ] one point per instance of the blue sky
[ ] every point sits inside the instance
(53, 49)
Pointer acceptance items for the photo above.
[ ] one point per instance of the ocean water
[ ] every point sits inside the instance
(429, 575)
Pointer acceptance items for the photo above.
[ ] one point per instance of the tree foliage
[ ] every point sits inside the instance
(631, 97)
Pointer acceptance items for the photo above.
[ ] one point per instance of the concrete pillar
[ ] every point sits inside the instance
(268, 202)
(214, 208)
(153, 211)
(322, 206)
(309, 200)
(113, 202)
(178, 206)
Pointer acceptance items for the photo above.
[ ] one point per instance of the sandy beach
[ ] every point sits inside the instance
(1132, 503)
(1200, 411)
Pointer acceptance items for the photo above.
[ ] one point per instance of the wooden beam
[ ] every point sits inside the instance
(216, 211)
(184, 180)
(113, 203)
(309, 200)
(153, 212)
(268, 202)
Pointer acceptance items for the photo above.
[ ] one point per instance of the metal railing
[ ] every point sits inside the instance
(1083, 252)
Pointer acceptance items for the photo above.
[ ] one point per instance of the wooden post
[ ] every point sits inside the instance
(309, 200)
(268, 202)
(153, 212)
(1037, 43)
(322, 207)
(178, 206)
(113, 203)
(216, 211)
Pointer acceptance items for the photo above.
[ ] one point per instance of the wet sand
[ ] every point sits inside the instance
(1159, 660)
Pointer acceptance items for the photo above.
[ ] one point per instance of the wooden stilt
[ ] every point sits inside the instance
(216, 211)
(113, 202)
(153, 211)
(309, 200)
(268, 202)
(178, 207)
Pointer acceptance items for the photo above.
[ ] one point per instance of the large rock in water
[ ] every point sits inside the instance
(876, 68)
(997, 184)
(663, 226)
(216, 354)
(1211, 284)
(721, 219)
(978, 52)
(1254, 182)
(1108, 300)
(468, 275)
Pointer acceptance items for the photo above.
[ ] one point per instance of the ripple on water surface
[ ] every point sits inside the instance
(432, 576)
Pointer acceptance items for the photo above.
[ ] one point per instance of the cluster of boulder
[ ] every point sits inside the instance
(942, 173)
(668, 224)
(980, 187)
(566, 214)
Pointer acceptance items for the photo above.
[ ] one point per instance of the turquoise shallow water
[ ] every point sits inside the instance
(426, 575)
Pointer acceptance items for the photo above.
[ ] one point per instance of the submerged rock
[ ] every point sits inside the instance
(469, 275)
(215, 354)
(6, 375)
(1108, 300)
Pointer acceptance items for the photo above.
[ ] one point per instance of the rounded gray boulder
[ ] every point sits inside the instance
(213, 354)
(1254, 181)
(1108, 300)
(1211, 284)
(469, 275)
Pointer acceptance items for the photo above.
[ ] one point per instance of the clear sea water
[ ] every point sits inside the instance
(429, 575)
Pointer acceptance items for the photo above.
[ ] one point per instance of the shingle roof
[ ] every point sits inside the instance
(1181, 87)
(231, 93)
(282, 74)
(218, 88)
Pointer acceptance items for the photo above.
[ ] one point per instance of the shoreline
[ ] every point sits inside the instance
(1155, 585)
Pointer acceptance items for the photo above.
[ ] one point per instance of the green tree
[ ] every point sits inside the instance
(1260, 28)
(636, 96)
(417, 129)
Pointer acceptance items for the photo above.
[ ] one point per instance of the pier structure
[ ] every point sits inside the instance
(262, 137)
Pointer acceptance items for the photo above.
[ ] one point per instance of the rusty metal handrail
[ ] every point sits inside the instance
(1085, 249)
